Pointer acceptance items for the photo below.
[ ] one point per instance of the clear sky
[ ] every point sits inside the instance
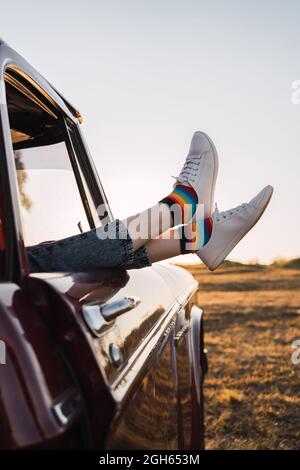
(147, 74)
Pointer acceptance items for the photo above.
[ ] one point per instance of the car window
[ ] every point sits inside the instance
(51, 188)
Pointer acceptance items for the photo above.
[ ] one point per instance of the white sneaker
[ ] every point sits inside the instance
(200, 170)
(229, 227)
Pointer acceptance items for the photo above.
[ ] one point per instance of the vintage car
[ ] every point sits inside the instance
(105, 359)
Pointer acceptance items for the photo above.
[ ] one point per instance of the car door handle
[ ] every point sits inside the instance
(98, 316)
(115, 308)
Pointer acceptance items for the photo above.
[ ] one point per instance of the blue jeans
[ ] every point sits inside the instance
(87, 251)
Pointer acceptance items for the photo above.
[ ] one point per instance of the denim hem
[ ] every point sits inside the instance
(141, 258)
(126, 242)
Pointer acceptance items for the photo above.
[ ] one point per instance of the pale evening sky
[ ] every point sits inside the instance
(147, 74)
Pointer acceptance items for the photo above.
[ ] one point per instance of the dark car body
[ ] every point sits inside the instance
(106, 359)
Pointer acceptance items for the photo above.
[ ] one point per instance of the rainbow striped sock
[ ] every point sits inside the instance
(195, 235)
(183, 202)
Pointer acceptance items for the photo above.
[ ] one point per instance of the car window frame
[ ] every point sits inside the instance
(16, 260)
(88, 169)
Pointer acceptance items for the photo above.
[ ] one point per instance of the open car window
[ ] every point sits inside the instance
(54, 198)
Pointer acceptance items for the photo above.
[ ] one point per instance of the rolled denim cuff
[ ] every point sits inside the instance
(141, 260)
(126, 242)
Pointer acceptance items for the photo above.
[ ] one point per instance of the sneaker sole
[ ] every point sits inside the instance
(263, 205)
(216, 169)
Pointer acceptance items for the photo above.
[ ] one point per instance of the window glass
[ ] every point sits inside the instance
(51, 205)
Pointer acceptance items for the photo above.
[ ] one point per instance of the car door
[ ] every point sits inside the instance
(115, 331)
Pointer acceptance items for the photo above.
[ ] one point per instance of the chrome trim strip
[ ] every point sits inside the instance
(122, 383)
(25, 91)
(128, 374)
(185, 296)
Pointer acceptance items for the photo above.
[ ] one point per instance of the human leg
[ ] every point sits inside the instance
(194, 187)
(212, 239)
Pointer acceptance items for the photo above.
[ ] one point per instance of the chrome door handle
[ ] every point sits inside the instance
(97, 316)
(113, 309)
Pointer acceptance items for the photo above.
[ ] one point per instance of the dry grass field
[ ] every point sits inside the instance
(252, 390)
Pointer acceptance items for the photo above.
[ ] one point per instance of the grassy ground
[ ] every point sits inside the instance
(252, 316)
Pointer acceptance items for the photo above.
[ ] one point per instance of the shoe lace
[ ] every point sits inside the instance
(188, 173)
(229, 212)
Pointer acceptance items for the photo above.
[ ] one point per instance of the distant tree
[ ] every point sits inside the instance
(22, 178)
